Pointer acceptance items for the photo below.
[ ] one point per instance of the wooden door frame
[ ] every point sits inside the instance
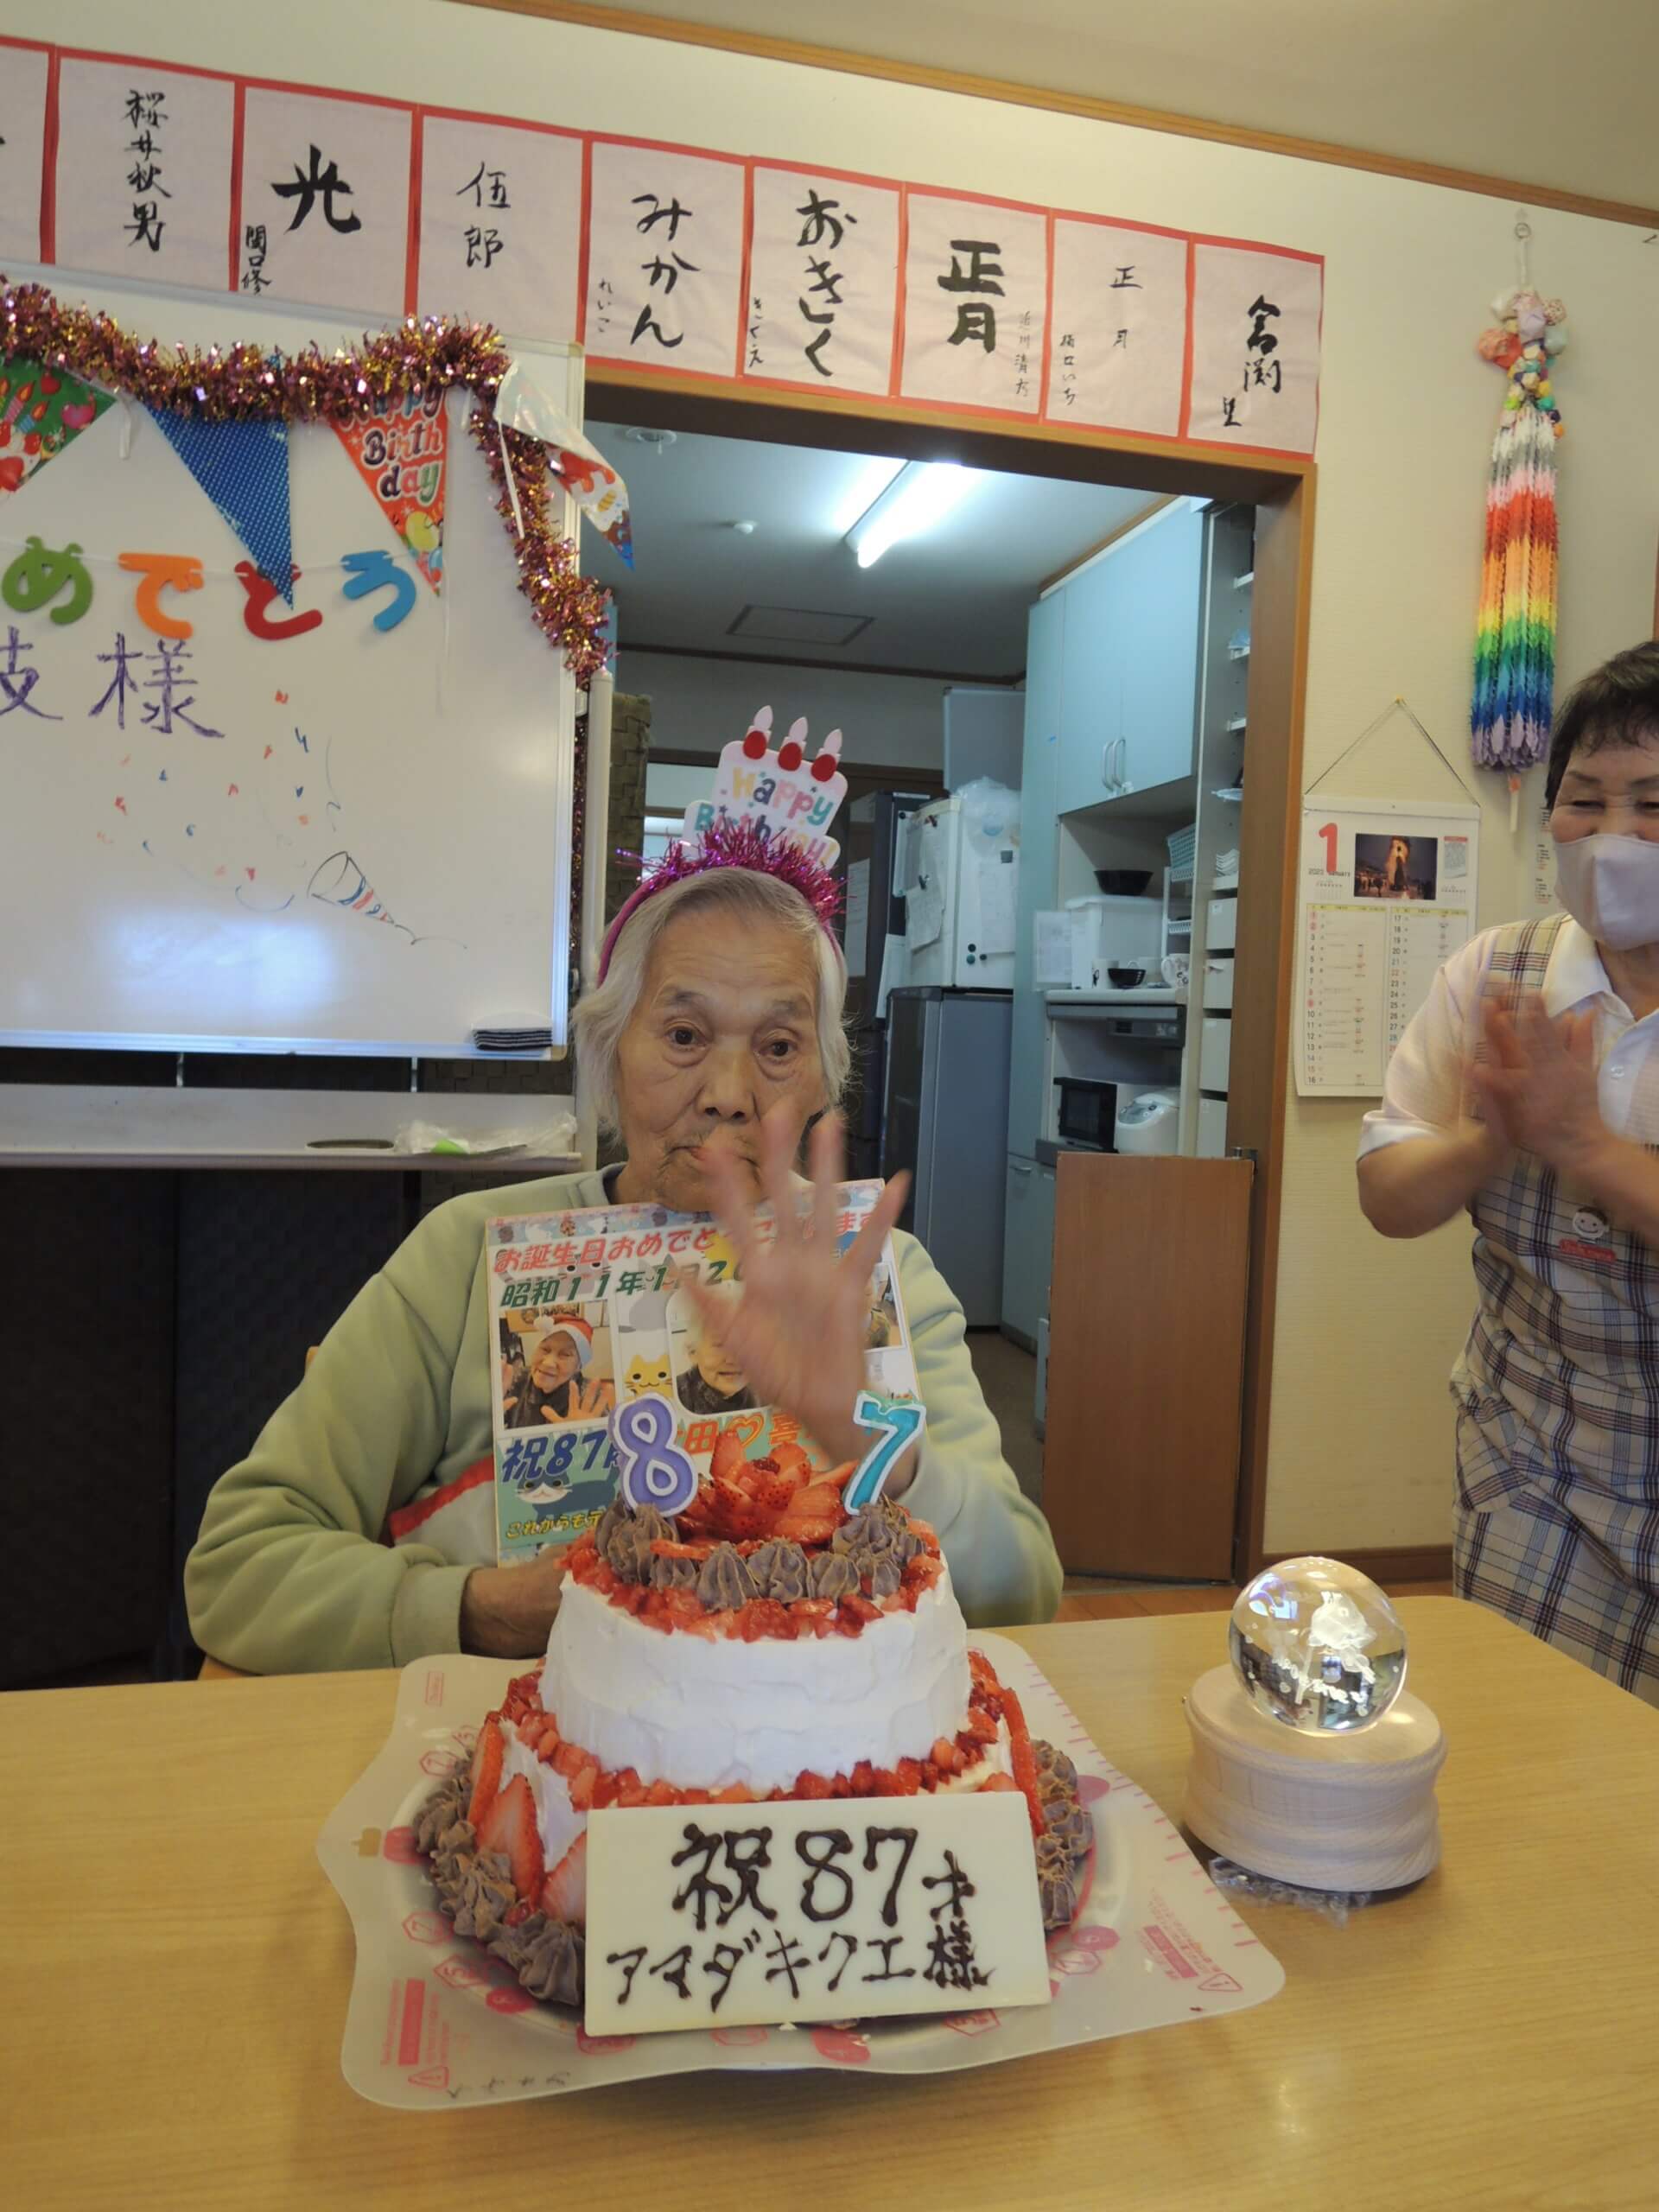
(1281, 489)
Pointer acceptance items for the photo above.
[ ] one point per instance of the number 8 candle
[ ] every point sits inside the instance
(655, 1471)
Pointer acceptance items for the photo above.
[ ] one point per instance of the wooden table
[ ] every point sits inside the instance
(176, 1970)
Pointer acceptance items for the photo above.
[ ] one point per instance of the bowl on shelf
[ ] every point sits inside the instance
(1125, 979)
(1122, 882)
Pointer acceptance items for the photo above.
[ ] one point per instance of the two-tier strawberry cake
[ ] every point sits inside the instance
(767, 1645)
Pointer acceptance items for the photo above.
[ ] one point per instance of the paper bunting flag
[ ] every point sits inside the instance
(598, 491)
(400, 451)
(41, 411)
(528, 401)
(243, 469)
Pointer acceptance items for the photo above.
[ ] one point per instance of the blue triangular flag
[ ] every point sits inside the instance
(243, 469)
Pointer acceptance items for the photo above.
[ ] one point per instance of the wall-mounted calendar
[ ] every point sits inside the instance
(1386, 894)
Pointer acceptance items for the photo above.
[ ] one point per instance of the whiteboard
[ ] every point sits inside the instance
(373, 855)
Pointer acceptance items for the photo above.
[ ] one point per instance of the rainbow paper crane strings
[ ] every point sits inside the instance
(1514, 638)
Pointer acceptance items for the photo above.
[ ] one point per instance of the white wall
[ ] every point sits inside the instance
(698, 706)
(1361, 1440)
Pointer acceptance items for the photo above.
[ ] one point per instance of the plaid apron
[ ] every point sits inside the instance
(1557, 1517)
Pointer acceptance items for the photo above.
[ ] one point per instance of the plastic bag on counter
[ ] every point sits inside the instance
(989, 811)
(552, 1138)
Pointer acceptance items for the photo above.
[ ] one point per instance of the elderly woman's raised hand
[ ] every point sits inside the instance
(798, 1330)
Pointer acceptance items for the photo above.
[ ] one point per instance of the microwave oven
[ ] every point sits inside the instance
(1085, 1113)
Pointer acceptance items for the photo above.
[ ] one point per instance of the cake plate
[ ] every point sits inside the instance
(435, 2022)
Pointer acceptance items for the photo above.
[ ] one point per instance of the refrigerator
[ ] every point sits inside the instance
(873, 918)
(961, 878)
(946, 1120)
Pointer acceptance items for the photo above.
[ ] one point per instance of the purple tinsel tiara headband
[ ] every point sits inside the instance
(769, 813)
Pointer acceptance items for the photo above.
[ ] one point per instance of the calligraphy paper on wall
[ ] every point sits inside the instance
(665, 258)
(976, 303)
(24, 72)
(1255, 347)
(143, 170)
(324, 212)
(500, 225)
(1119, 321)
(823, 280)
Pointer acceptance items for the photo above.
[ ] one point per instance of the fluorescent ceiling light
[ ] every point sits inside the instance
(921, 494)
(865, 483)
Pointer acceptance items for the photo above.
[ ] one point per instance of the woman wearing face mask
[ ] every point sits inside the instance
(1527, 1090)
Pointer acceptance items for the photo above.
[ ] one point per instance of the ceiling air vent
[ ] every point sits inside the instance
(798, 625)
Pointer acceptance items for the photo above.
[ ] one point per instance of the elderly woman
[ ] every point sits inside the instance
(714, 1038)
(1527, 1090)
(713, 1383)
(554, 1385)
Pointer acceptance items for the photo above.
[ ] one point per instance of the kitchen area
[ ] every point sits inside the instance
(1040, 846)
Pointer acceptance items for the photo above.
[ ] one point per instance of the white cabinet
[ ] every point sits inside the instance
(1091, 688)
(1130, 663)
(983, 726)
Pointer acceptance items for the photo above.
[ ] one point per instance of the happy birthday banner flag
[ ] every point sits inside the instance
(401, 452)
(41, 411)
(243, 469)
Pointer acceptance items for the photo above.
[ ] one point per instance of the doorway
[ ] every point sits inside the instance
(1280, 491)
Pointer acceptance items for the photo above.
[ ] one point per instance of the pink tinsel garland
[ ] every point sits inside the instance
(243, 383)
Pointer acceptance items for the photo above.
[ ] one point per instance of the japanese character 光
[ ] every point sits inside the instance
(314, 183)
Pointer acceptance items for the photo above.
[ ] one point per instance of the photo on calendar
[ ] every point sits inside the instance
(587, 1316)
(1395, 867)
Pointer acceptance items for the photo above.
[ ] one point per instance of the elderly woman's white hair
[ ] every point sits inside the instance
(604, 1013)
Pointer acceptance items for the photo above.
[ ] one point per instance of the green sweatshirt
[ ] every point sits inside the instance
(289, 1573)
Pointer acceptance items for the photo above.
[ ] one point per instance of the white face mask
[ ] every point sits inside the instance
(1609, 886)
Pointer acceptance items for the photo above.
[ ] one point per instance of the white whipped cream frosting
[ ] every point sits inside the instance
(712, 1713)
